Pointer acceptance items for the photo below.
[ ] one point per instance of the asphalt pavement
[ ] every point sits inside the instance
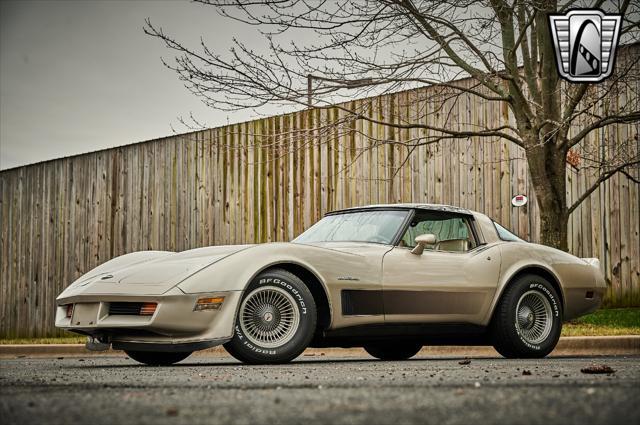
(320, 389)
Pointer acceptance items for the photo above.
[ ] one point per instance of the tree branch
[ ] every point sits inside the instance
(602, 122)
(603, 177)
(433, 34)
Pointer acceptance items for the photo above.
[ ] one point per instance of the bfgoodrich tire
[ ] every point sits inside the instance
(154, 358)
(276, 319)
(393, 350)
(528, 319)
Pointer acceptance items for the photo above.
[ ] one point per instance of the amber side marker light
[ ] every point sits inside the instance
(208, 303)
(147, 309)
(69, 310)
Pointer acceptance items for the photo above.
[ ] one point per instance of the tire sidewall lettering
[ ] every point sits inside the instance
(252, 347)
(286, 285)
(547, 292)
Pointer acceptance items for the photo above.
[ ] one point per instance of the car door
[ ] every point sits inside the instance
(452, 281)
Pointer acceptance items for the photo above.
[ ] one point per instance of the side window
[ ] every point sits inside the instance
(452, 232)
(506, 235)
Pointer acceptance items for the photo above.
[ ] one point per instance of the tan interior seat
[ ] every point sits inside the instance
(455, 245)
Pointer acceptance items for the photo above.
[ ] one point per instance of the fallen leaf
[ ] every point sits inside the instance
(597, 369)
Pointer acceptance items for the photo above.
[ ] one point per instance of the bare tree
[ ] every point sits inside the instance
(380, 46)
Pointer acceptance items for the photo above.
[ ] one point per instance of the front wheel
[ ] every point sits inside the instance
(276, 319)
(528, 320)
(393, 351)
(156, 358)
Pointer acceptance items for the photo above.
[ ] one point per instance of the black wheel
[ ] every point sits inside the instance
(155, 358)
(528, 319)
(276, 319)
(393, 350)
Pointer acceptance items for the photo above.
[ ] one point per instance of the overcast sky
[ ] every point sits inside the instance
(78, 76)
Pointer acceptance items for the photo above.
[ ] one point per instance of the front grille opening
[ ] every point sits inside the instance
(132, 309)
(125, 309)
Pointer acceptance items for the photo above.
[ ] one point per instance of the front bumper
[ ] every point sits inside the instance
(174, 324)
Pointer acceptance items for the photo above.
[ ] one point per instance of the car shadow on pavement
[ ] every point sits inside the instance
(230, 363)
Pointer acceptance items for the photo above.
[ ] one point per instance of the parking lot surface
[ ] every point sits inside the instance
(320, 389)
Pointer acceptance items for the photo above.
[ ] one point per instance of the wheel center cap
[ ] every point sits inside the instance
(526, 318)
(267, 317)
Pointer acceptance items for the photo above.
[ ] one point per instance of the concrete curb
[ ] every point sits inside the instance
(567, 346)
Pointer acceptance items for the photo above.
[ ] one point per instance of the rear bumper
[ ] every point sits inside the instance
(581, 300)
(579, 303)
(174, 326)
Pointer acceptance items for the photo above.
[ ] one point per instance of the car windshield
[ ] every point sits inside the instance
(362, 226)
(506, 235)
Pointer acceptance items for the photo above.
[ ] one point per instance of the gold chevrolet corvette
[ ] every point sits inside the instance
(389, 278)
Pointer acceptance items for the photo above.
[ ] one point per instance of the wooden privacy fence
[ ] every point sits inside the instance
(268, 180)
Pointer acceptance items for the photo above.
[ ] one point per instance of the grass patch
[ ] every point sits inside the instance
(615, 321)
(59, 340)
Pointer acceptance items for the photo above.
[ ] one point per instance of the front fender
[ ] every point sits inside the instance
(236, 271)
(334, 269)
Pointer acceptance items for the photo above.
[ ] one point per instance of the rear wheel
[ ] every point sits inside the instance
(393, 350)
(156, 358)
(528, 320)
(276, 319)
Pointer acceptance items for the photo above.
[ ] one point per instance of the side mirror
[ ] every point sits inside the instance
(422, 241)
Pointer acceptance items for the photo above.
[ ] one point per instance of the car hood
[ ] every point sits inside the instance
(172, 269)
(148, 272)
(155, 273)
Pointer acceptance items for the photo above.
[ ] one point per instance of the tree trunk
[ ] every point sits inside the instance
(547, 165)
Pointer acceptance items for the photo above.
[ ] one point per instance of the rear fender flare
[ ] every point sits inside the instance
(513, 272)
